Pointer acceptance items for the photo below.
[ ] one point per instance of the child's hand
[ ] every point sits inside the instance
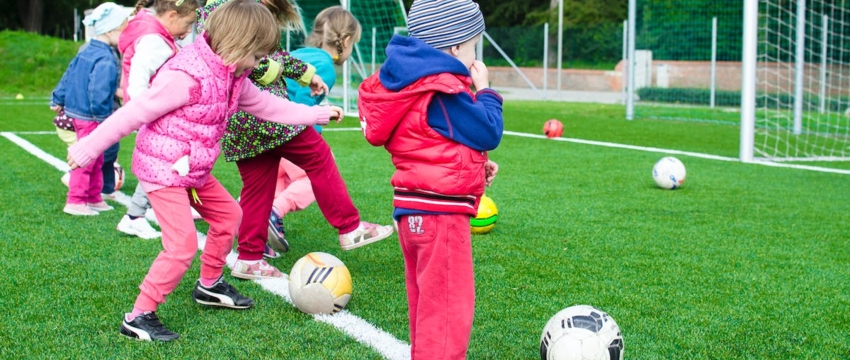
(490, 170)
(336, 114)
(56, 108)
(318, 86)
(72, 163)
(480, 75)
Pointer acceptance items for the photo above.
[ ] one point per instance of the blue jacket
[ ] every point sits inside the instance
(87, 89)
(472, 121)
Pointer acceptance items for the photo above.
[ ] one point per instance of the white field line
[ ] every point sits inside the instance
(656, 150)
(361, 330)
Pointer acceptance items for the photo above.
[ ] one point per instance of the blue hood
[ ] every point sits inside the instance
(409, 59)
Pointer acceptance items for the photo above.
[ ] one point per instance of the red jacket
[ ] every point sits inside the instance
(433, 173)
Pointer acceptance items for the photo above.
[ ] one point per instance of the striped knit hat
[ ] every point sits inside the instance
(445, 23)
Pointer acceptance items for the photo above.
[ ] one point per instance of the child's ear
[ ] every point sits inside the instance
(346, 41)
(172, 15)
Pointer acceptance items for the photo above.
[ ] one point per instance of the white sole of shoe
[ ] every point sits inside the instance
(79, 213)
(365, 242)
(253, 277)
(140, 234)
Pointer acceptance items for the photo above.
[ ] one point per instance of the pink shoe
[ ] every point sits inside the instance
(101, 206)
(259, 270)
(79, 210)
(365, 234)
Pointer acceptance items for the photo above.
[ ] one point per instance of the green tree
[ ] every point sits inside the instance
(55, 18)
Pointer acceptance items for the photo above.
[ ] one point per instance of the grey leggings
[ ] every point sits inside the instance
(139, 204)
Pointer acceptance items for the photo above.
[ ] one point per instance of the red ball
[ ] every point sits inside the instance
(553, 128)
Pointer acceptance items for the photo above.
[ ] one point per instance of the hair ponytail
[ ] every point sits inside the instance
(287, 13)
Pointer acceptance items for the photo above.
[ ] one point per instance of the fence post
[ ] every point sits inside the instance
(630, 98)
(374, 44)
(624, 57)
(713, 58)
(545, 57)
(823, 54)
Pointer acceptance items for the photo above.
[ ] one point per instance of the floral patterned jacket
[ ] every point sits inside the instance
(247, 136)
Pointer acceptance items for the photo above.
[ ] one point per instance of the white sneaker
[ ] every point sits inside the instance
(138, 227)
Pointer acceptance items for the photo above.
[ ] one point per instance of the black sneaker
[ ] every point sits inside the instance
(147, 327)
(220, 294)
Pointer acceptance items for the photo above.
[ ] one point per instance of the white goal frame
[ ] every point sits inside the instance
(758, 69)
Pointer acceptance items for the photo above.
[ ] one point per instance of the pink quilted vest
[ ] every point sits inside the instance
(194, 129)
(142, 24)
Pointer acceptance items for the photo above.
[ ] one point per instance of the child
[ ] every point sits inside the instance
(335, 31)
(257, 147)
(181, 120)
(421, 109)
(147, 43)
(88, 102)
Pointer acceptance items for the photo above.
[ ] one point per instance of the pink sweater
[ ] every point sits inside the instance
(170, 91)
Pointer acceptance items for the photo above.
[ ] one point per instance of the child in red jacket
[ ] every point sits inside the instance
(438, 131)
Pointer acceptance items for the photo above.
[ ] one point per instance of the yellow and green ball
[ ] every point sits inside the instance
(486, 218)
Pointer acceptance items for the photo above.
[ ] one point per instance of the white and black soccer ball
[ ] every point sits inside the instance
(669, 173)
(581, 332)
(320, 283)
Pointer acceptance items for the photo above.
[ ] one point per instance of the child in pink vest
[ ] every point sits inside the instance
(181, 120)
(146, 44)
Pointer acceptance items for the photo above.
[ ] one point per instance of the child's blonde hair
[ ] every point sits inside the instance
(182, 7)
(287, 13)
(240, 28)
(332, 26)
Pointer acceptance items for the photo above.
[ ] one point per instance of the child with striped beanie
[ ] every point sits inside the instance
(438, 130)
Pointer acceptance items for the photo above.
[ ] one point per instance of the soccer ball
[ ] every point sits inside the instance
(486, 218)
(581, 332)
(553, 128)
(119, 177)
(319, 283)
(669, 173)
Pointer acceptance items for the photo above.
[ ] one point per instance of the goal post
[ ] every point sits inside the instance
(795, 100)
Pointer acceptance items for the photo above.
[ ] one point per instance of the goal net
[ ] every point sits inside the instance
(802, 82)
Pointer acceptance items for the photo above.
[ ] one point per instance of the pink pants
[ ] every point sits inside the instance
(86, 182)
(293, 191)
(440, 284)
(180, 239)
(307, 151)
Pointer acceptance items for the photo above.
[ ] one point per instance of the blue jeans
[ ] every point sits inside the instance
(108, 168)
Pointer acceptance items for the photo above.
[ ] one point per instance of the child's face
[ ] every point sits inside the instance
(178, 26)
(465, 52)
(112, 36)
(249, 62)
